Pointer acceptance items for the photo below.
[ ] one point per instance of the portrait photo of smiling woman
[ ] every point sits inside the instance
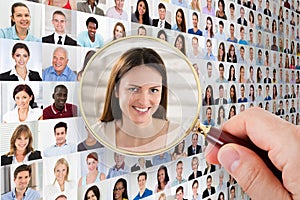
(25, 108)
(136, 101)
(134, 112)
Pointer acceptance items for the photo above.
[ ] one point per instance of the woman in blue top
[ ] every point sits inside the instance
(20, 23)
(209, 29)
(180, 21)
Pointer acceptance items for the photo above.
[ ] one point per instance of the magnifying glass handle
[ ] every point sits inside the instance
(219, 138)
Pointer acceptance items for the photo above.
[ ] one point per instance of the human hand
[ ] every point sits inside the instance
(270, 133)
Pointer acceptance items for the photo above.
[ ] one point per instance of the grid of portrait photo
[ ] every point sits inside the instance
(246, 53)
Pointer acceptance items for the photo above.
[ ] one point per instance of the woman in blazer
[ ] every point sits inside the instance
(21, 149)
(21, 55)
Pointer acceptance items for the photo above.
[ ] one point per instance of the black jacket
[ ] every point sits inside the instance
(50, 39)
(7, 160)
(155, 23)
(33, 76)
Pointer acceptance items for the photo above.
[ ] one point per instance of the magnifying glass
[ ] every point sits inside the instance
(141, 96)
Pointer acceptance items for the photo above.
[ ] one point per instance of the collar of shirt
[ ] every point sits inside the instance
(24, 160)
(93, 11)
(62, 145)
(15, 35)
(52, 71)
(56, 38)
(122, 167)
(141, 167)
(55, 111)
(14, 193)
(14, 72)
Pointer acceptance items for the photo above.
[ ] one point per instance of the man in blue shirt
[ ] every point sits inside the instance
(120, 168)
(195, 30)
(161, 158)
(61, 146)
(232, 38)
(259, 25)
(22, 176)
(268, 97)
(179, 179)
(220, 35)
(59, 71)
(242, 35)
(181, 3)
(242, 99)
(144, 192)
(90, 38)
(209, 120)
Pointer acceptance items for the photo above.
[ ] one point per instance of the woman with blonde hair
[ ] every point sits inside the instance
(195, 5)
(21, 149)
(61, 184)
(119, 31)
(94, 175)
(162, 196)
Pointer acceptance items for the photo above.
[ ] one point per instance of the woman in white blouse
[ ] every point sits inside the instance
(24, 111)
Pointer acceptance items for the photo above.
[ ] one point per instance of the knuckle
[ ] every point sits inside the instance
(251, 179)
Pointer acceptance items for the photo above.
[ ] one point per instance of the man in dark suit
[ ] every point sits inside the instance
(267, 10)
(194, 148)
(251, 5)
(267, 79)
(210, 190)
(241, 20)
(141, 164)
(161, 22)
(280, 110)
(221, 100)
(59, 36)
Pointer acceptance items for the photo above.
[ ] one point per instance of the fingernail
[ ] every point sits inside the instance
(229, 158)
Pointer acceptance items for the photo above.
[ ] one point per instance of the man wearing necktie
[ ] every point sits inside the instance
(161, 22)
(194, 148)
(59, 36)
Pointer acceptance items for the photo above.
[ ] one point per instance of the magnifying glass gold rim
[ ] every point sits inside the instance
(169, 47)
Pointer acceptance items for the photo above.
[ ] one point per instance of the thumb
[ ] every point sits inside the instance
(251, 173)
